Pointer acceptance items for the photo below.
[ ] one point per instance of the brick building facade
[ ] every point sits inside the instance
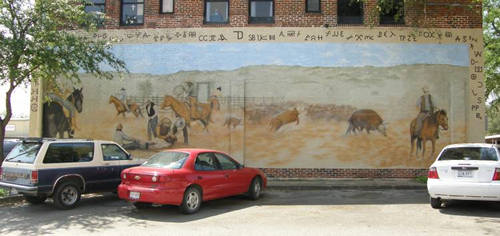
(292, 13)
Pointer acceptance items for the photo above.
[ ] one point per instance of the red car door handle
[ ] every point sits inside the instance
(199, 177)
(227, 176)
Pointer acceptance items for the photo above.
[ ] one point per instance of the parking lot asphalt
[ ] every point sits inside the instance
(278, 212)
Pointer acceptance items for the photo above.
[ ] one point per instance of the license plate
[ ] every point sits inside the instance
(10, 176)
(135, 195)
(464, 173)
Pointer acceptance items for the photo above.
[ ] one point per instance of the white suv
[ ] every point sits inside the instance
(465, 172)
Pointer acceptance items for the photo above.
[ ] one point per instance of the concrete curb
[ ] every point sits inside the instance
(344, 184)
(316, 184)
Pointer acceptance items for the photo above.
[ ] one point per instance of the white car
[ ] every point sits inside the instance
(465, 172)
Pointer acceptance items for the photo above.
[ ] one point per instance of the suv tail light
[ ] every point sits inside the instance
(433, 174)
(496, 176)
(34, 177)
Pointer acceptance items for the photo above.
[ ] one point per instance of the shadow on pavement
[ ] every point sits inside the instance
(99, 212)
(283, 198)
(474, 209)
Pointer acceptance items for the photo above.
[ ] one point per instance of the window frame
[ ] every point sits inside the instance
(99, 23)
(127, 155)
(164, 12)
(222, 155)
(393, 21)
(65, 162)
(35, 156)
(310, 11)
(444, 156)
(214, 159)
(186, 158)
(260, 20)
(92, 3)
(123, 3)
(362, 13)
(205, 12)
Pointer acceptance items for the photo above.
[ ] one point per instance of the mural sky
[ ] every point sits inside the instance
(144, 58)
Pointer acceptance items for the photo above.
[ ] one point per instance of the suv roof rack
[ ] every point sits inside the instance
(36, 139)
(42, 139)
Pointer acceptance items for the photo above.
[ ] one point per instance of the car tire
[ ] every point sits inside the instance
(142, 205)
(255, 188)
(436, 203)
(191, 202)
(67, 195)
(35, 199)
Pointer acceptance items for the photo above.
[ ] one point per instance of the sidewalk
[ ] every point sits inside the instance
(343, 183)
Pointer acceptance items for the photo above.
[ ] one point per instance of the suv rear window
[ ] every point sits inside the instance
(69, 152)
(469, 153)
(24, 153)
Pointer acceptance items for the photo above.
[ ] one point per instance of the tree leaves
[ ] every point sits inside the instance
(37, 43)
(491, 37)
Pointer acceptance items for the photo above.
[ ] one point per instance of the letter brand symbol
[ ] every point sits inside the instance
(137, 177)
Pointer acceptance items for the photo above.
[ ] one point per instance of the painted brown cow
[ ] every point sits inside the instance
(232, 121)
(283, 119)
(365, 119)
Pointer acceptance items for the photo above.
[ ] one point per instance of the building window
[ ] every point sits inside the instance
(261, 11)
(216, 11)
(132, 12)
(313, 6)
(167, 6)
(393, 13)
(98, 8)
(350, 12)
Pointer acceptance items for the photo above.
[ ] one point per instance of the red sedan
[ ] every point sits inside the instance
(186, 177)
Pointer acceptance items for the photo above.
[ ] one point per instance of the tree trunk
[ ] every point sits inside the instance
(6, 119)
(2, 137)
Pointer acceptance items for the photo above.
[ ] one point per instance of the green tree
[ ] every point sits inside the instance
(493, 123)
(41, 40)
(491, 37)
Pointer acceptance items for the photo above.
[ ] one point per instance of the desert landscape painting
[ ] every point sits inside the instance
(281, 105)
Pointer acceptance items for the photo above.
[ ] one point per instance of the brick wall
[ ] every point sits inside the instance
(342, 173)
(291, 13)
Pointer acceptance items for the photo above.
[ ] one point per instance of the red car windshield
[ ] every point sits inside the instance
(170, 160)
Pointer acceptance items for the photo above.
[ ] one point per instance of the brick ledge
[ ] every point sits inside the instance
(342, 173)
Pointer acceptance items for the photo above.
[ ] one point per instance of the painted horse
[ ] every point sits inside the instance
(202, 111)
(429, 131)
(190, 112)
(181, 110)
(121, 109)
(55, 120)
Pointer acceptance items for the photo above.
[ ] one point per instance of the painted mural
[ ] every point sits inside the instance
(314, 105)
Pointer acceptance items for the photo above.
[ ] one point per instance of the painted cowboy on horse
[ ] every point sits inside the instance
(59, 114)
(426, 106)
(124, 105)
(426, 126)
